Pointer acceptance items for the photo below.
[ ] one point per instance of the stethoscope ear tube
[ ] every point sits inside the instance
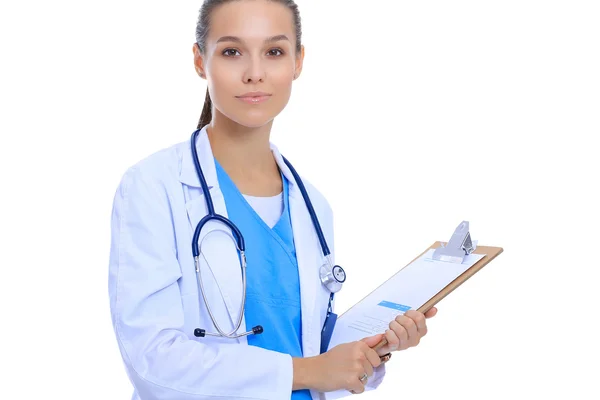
(236, 232)
(203, 185)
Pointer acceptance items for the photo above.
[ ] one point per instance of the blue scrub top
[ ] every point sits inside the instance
(273, 285)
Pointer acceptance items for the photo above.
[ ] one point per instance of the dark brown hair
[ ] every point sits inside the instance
(203, 26)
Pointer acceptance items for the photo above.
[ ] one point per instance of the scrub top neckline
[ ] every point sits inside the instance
(278, 195)
(273, 230)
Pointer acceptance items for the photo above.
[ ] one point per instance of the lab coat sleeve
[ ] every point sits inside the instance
(378, 372)
(147, 313)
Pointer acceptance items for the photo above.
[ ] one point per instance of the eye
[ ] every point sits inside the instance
(230, 52)
(275, 52)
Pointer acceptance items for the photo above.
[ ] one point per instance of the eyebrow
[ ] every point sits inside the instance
(236, 39)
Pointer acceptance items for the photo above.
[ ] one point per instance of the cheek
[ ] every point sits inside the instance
(222, 85)
(282, 80)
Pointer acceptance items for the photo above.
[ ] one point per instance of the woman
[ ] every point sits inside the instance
(250, 52)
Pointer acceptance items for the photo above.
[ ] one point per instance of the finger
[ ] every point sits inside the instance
(353, 384)
(393, 341)
(357, 387)
(411, 328)
(373, 359)
(401, 334)
(368, 368)
(372, 341)
(420, 322)
(431, 312)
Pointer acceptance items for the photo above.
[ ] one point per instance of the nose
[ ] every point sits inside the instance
(255, 71)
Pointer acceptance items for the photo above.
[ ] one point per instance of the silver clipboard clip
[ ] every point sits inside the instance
(459, 246)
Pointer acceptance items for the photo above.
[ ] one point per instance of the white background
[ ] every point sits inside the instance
(409, 116)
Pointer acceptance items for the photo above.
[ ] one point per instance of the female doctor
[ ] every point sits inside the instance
(221, 273)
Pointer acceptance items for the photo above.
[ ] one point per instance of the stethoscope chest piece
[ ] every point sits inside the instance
(332, 278)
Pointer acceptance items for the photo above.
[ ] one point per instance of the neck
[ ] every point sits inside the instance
(245, 154)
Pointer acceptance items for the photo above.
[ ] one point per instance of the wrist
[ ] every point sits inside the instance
(303, 373)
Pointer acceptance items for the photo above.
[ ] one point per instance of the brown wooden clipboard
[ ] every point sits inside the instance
(490, 254)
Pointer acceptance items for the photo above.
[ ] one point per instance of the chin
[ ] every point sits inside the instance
(254, 119)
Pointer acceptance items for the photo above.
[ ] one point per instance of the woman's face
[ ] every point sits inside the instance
(250, 60)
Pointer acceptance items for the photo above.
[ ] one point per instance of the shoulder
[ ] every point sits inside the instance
(320, 203)
(317, 196)
(159, 169)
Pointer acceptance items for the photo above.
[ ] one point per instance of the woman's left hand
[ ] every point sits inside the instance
(406, 330)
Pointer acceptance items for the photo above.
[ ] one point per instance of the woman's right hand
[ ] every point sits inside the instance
(339, 368)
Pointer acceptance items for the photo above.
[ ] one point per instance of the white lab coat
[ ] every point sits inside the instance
(154, 296)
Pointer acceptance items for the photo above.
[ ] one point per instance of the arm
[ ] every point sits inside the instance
(147, 313)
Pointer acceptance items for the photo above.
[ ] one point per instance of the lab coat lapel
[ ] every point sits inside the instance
(219, 249)
(309, 257)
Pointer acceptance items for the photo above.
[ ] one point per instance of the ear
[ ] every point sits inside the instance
(299, 63)
(198, 61)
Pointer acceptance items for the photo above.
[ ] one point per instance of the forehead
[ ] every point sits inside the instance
(251, 20)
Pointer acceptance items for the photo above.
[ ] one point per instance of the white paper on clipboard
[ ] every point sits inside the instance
(409, 288)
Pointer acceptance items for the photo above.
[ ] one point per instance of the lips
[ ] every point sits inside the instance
(254, 94)
(254, 97)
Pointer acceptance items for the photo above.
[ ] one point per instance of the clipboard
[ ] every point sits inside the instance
(490, 254)
(422, 283)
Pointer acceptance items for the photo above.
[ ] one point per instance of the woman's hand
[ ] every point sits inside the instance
(339, 368)
(406, 330)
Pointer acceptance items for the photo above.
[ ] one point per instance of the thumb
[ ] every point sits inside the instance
(372, 341)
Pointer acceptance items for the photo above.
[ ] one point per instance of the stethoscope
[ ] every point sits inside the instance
(331, 276)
